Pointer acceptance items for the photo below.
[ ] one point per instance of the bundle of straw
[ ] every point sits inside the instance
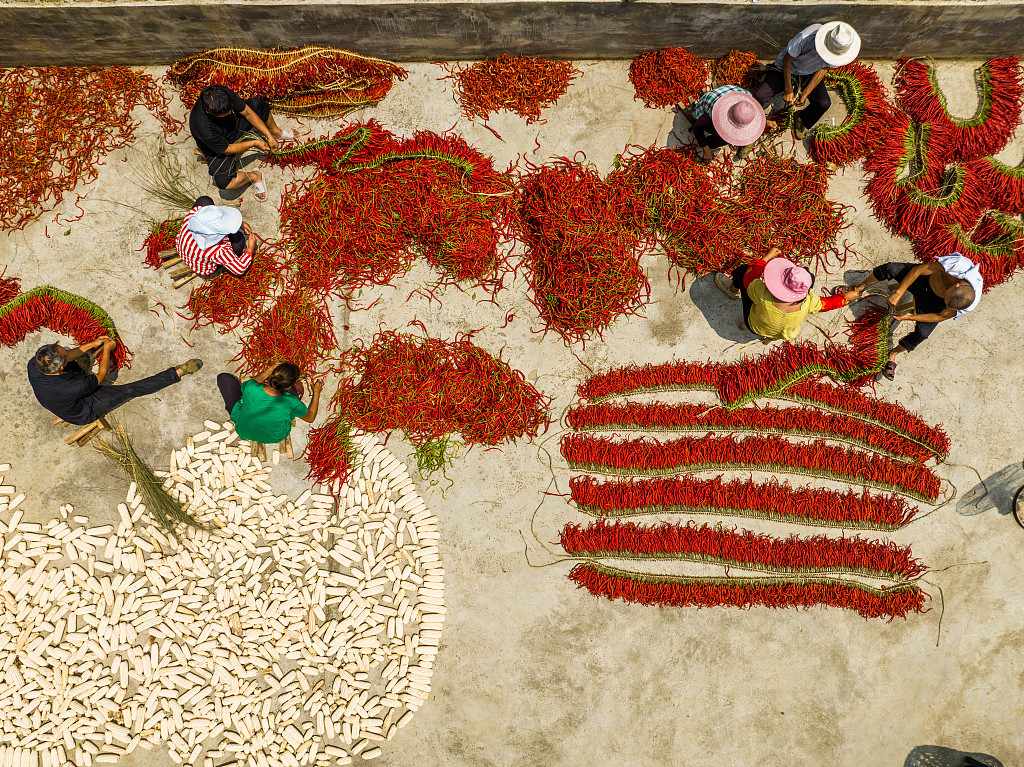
(158, 502)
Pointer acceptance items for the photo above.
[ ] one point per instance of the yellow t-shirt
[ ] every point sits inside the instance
(766, 320)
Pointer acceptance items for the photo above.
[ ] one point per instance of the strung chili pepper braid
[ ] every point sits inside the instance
(61, 312)
(1004, 184)
(869, 114)
(706, 591)
(742, 498)
(651, 458)
(314, 81)
(1001, 94)
(521, 84)
(719, 545)
(56, 123)
(800, 422)
(668, 76)
(996, 244)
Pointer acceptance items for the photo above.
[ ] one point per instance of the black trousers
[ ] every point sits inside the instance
(925, 299)
(223, 167)
(108, 398)
(818, 100)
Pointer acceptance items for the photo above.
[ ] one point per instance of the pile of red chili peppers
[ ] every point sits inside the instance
(226, 301)
(521, 84)
(736, 68)
(297, 328)
(668, 76)
(315, 81)
(56, 123)
(58, 310)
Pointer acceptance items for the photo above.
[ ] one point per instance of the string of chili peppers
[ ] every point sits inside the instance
(56, 123)
(521, 84)
(314, 81)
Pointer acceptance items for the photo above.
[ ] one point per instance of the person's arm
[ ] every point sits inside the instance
(250, 243)
(945, 314)
(918, 271)
(242, 146)
(310, 415)
(258, 124)
(78, 351)
(104, 369)
(838, 301)
(787, 78)
(811, 85)
(756, 268)
(262, 377)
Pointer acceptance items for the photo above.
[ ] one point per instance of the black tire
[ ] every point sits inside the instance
(1015, 508)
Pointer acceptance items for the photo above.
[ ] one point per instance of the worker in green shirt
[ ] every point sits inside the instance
(263, 407)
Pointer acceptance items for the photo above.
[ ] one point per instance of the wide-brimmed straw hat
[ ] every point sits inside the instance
(786, 280)
(836, 43)
(738, 118)
(212, 223)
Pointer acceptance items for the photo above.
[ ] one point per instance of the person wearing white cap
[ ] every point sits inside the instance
(213, 239)
(726, 115)
(776, 295)
(802, 65)
(946, 288)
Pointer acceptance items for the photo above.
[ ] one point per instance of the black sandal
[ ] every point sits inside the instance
(888, 372)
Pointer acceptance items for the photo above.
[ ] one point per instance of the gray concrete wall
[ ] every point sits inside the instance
(149, 33)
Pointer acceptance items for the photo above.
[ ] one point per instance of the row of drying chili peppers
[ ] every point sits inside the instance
(651, 458)
(60, 311)
(819, 507)
(792, 421)
(777, 592)
(314, 81)
(718, 545)
(56, 123)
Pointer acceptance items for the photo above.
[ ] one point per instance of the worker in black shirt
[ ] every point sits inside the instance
(73, 393)
(224, 126)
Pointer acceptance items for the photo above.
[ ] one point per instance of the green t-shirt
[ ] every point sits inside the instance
(260, 417)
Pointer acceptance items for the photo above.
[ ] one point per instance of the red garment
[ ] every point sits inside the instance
(756, 270)
(205, 262)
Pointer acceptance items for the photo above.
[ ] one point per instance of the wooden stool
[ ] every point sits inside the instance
(84, 433)
(259, 450)
(181, 276)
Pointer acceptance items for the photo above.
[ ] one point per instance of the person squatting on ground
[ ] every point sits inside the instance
(71, 392)
(776, 296)
(728, 115)
(263, 407)
(945, 288)
(224, 127)
(213, 240)
(801, 67)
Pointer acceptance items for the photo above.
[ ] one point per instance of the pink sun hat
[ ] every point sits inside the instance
(738, 118)
(785, 280)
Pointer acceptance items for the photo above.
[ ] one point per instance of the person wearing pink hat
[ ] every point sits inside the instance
(726, 115)
(777, 296)
(798, 72)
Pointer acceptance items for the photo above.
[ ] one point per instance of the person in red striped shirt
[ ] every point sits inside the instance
(213, 240)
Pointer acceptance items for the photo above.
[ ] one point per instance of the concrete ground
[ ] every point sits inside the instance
(531, 670)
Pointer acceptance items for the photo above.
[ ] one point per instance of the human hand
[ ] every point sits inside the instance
(851, 295)
(894, 299)
(800, 100)
(317, 386)
(261, 144)
(246, 228)
(274, 143)
(95, 344)
(788, 96)
(109, 343)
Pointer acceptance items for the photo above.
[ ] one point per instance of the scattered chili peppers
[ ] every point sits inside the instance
(736, 68)
(162, 236)
(297, 329)
(315, 81)
(667, 77)
(521, 84)
(55, 125)
(226, 300)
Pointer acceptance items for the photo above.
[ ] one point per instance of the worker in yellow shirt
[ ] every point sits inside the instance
(776, 296)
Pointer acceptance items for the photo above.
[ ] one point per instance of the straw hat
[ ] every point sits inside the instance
(785, 280)
(212, 223)
(836, 43)
(738, 118)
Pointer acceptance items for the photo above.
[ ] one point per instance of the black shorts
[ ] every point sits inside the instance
(223, 167)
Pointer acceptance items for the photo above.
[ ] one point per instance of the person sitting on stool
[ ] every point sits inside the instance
(727, 115)
(213, 240)
(263, 407)
(949, 286)
(804, 62)
(776, 296)
(74, 394)
(219, 122)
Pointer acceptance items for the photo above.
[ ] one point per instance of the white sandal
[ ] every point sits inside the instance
(287, 134)
(259, 190)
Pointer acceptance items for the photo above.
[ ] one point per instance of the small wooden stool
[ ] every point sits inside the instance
(259, 450)
(84, 433)
(181, 276)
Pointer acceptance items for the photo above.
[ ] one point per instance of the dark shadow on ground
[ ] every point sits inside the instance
(1001, 488)
(722, 313)
(681, 135)
(940, 756)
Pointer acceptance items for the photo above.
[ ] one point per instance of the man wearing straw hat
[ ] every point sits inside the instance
(728, 115)
(799, 71)
(776, 296)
